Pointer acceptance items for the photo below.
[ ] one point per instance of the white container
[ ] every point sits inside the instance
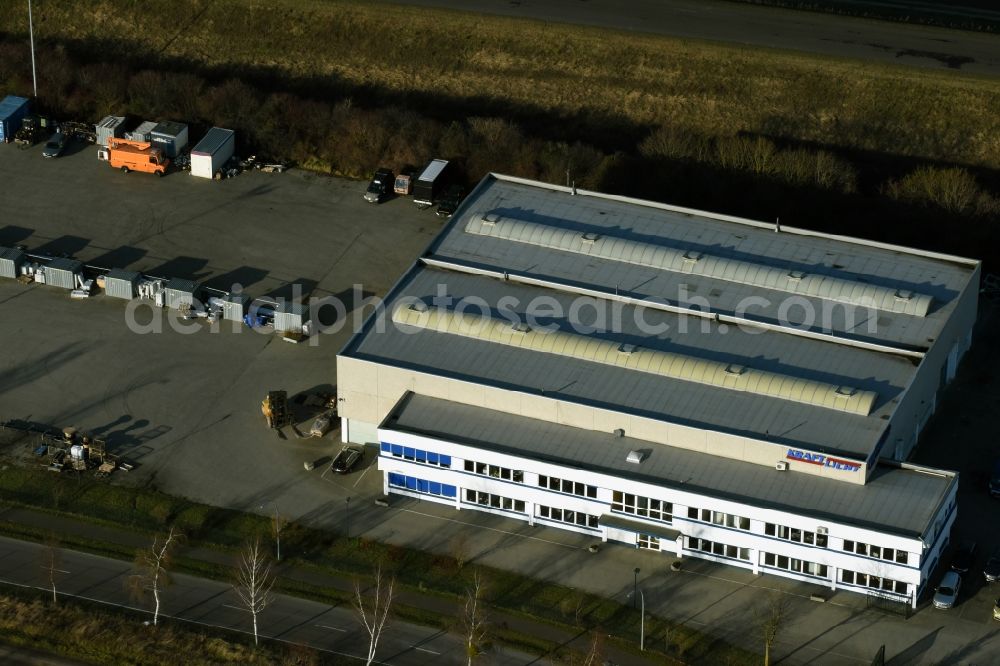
(212, 152)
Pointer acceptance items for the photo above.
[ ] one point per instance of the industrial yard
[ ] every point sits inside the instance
(185, 409)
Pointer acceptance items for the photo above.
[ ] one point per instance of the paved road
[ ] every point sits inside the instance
(290, 619)
(762, 26)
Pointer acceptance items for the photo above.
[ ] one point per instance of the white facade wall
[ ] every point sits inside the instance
(914, 572)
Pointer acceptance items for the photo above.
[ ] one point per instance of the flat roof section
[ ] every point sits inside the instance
(611, 243)
(628, 390)
(895, 499)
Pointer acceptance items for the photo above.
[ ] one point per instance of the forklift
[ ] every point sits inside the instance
(33, 129)
(275, 410)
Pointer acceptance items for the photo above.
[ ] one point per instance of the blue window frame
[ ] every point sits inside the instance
(421, 485)
(415, 455)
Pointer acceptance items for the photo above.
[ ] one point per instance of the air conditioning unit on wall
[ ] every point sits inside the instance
(781, 465)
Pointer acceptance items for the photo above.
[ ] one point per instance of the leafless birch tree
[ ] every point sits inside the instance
(51, 561)
(770, 618)
(254, 581)
(474, 620)
(373, 606)
(152, 569)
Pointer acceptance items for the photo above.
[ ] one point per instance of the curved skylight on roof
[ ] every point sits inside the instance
(617, 248)
(730, 376)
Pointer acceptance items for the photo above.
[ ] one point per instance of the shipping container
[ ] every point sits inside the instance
(120, 283)
(63, 273)
(289, 317)
(11, 261)
(171, 137)
(110, 126)
(12, 111)
(430, 183)
(212, 152)
(234, 306)
(181, 292)
(142, 132)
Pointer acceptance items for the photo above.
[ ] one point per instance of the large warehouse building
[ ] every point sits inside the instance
(681, 381)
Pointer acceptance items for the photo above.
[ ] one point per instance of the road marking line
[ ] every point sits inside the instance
(326, 626)
(362, 476)
(425, 650)
(234, 607)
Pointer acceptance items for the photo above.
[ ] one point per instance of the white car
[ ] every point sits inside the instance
(947, 592)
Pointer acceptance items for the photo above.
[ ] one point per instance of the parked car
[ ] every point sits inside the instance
(380, 187)
(992, 569)
(996, 609)
(947, 592)
(964, 557)
(55, 146)
(449, 201)
(346, 460)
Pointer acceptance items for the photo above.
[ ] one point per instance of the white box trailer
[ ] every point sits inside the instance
(212, 152)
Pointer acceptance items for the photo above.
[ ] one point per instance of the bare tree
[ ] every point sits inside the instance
(373, 608)
(474, 619)
(278, 523)
(51, 561)
(254, 581)
(770, 618)
(595, 655)
(152, 569)
(459, 550)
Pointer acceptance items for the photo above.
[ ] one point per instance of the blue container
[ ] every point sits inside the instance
(12, 112)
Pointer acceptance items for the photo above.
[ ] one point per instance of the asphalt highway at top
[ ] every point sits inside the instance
(811, 32)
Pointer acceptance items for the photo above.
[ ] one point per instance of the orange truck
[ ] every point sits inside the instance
(129, 155)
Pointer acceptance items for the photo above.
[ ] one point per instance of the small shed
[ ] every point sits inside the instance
(181, 292)
(13, 109)
(109, 127)
(142, 132)
(120, 283)
(289, 317)
(63, 273)
(171, 137)
(234, 306)
(212, 152)
(11, 261)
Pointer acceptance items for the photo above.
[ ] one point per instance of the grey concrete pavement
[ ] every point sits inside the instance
(332, 629)
(715, 20)
(186, 406)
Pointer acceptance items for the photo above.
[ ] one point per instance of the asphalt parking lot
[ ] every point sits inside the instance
(186, 406)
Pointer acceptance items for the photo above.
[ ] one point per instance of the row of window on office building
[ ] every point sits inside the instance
(645, 507)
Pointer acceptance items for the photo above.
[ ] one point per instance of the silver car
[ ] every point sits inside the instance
(55, 145)
(947, 592)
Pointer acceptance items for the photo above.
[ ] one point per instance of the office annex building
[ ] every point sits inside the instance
(676, 380)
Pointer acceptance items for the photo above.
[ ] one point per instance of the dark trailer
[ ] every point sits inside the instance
(430, 183)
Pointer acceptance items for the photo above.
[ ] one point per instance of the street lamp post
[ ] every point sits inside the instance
(31, 38)
(642, 622)
(635, 586)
